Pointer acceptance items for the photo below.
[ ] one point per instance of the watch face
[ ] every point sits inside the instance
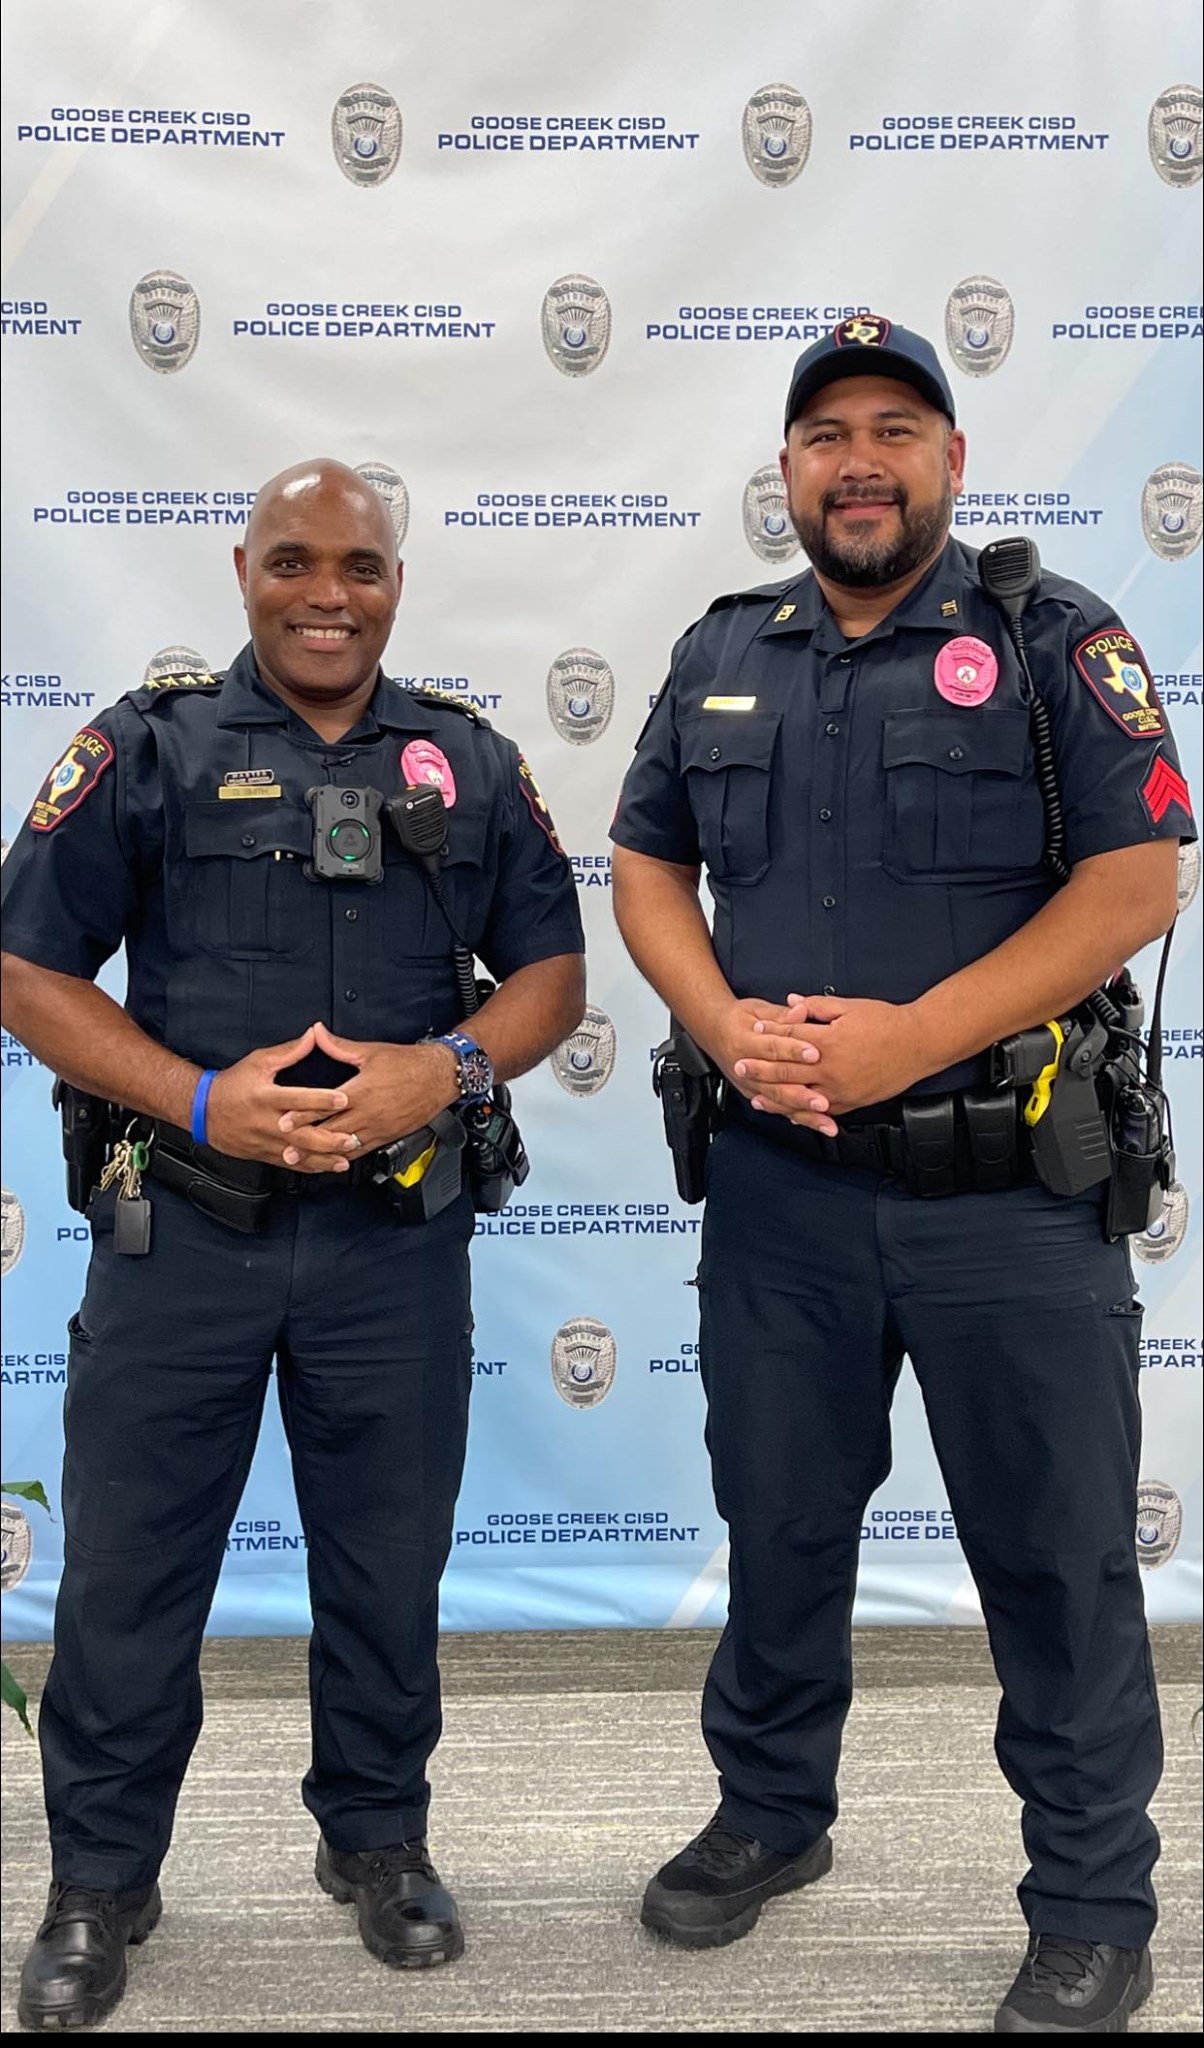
(476, 1073)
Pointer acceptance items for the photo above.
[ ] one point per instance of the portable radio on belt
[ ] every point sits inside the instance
(1094, 1115)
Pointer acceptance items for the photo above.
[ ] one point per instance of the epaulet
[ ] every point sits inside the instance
(186, 679)
(764, 592)
(447, 702)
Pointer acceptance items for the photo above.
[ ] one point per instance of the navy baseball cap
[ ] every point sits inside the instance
(869, 346)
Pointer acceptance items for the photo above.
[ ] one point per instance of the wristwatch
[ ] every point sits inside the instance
(475, 1065)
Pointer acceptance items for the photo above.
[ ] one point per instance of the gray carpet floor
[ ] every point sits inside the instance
(571, 1766)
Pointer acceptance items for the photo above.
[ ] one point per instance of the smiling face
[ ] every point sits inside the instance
(871, 472)
(321, 580)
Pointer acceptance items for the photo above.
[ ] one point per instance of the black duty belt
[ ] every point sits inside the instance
(971, 1142)
(198, 1171)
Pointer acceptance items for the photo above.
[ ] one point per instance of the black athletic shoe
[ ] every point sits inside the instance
(1075, 1987)
(714, 1890)
(75, 1972)
(406, 1918)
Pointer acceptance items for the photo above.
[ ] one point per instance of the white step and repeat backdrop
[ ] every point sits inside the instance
(544, 271)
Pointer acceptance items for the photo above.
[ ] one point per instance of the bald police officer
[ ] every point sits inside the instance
(281, 1027)
(848, 754)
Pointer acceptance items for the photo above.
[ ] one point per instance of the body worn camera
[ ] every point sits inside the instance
(347, 834)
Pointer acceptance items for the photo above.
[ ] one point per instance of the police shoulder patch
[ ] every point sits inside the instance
(536, 804)
(1117, 674)
(448, 703)
(71, 779)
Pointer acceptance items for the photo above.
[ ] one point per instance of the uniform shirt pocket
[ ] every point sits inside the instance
(727, 761)
(961, 794)
(246, 890)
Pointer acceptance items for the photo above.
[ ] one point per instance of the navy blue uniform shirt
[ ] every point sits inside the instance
(230, 944)
(862, 834)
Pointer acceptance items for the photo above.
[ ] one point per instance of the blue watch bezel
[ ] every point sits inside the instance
(464, 1047)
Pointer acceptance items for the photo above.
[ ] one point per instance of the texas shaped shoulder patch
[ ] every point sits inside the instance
(71, 779)
(1116, 672)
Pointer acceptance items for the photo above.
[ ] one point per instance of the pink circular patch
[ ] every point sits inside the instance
(421, 761)
(966, 670)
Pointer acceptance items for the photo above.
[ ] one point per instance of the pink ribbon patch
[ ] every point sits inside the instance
(965, 670)
(422, 761)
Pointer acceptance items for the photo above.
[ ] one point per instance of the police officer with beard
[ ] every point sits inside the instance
(849, 756)
(282, 1027)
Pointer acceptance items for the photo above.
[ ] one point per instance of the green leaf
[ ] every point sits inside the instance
(14, 1697)
(27, 1489)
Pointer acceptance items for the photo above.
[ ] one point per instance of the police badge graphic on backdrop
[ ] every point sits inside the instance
(1187, 881)
(575, 320)
(16, 1545)
(392, 490)
(776, 132)
(585, 1061)
(1175, 135)
(365, 133)
(580, 695)
(767, 527)
(1172, 510)
(1159, 1523)
(12, 1230)
(979, 324)
(165, 320)
(1165, 1235)
(175, 661)
(583, 1362)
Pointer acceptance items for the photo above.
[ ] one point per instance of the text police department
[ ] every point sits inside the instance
(210, 127)
(386, 319)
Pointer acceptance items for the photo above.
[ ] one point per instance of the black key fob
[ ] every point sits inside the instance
(132, 1226)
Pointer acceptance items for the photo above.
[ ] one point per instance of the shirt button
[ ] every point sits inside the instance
(715, 754)
(829, 902)
(248, 839)
(825, 817)
(957, 754)
(828, 989)
(350, 995)
(845, 659)
(831, 731)
(351, 915)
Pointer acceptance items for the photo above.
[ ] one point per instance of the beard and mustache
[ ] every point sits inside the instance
(867, 560)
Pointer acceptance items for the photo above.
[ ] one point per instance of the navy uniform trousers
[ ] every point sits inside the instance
(1022, 1329)
(370, 1325)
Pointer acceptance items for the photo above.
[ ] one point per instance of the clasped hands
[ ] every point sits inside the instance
(814, 1058)
(396, 1089)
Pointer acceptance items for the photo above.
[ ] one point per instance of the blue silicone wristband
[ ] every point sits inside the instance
(200, 1102)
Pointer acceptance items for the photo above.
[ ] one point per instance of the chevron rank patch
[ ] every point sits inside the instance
(1116, 672)
(71, 779)
(1162, 789)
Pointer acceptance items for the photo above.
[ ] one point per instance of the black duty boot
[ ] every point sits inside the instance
(1066, 1986)
(75, 1972)
(406, 1918)
(714, 1890)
